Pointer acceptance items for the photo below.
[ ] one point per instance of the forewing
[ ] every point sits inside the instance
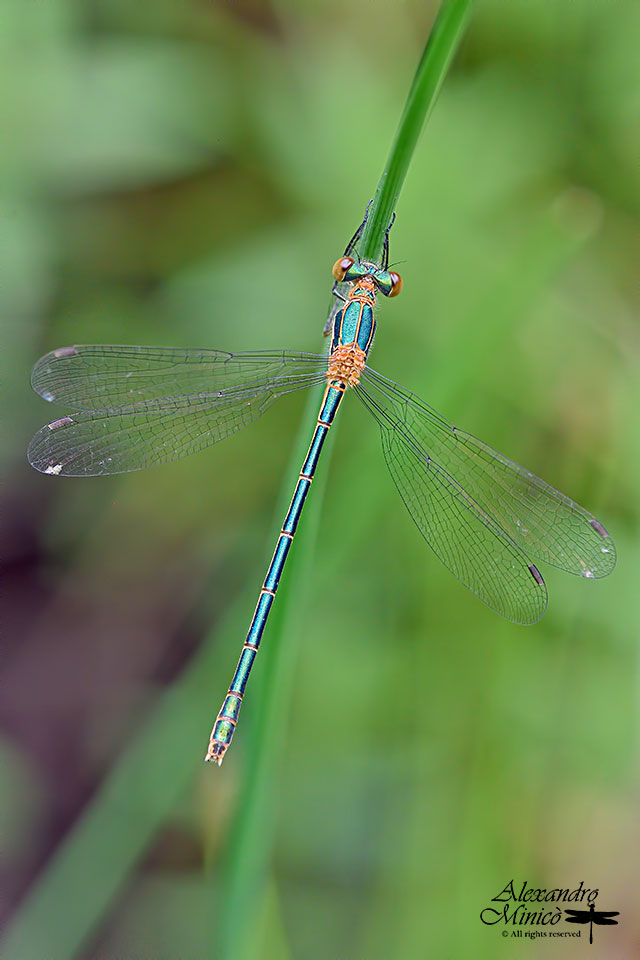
(545, 523)
(150, 432)
(103, 377)
(461, 534)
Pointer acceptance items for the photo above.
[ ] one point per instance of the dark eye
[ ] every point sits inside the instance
(340, 267)
(396, 284)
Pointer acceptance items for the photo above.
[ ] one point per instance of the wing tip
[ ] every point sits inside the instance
(40, 461)
(42, 366)
(608, 554)
(41, 452)
(535, 612)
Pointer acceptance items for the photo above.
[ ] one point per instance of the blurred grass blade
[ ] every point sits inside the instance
(88, 871)
(445, 36)
(66, 905)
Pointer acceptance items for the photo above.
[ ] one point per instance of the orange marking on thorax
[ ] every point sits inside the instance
(367, 291)
(346, 363)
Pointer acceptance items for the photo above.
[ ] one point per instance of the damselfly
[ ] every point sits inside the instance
(483, 515)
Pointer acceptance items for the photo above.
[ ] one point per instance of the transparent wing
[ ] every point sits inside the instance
(100, 377)
(146, 432)
(462, 535)
(536, 517)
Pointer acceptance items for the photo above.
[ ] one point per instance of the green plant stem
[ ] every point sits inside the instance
(249, 848)
(250, 841)
(445, 36)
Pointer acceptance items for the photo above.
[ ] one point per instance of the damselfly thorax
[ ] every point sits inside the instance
(354, 324)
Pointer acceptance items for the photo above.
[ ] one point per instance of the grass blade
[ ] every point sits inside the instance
(250, 842)
(445, 36)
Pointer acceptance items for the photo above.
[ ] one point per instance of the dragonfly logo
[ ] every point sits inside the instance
(591, 916)
(526, 912)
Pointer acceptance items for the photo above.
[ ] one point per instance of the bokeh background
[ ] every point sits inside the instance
(185, 173)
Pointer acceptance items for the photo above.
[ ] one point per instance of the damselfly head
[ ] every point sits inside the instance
(346, 270)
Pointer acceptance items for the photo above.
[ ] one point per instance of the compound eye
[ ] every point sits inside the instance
(340, 267)
(396, 284)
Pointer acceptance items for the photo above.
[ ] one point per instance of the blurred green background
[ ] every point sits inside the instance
(185, 173)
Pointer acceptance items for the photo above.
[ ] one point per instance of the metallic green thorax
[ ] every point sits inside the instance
(355, 322)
